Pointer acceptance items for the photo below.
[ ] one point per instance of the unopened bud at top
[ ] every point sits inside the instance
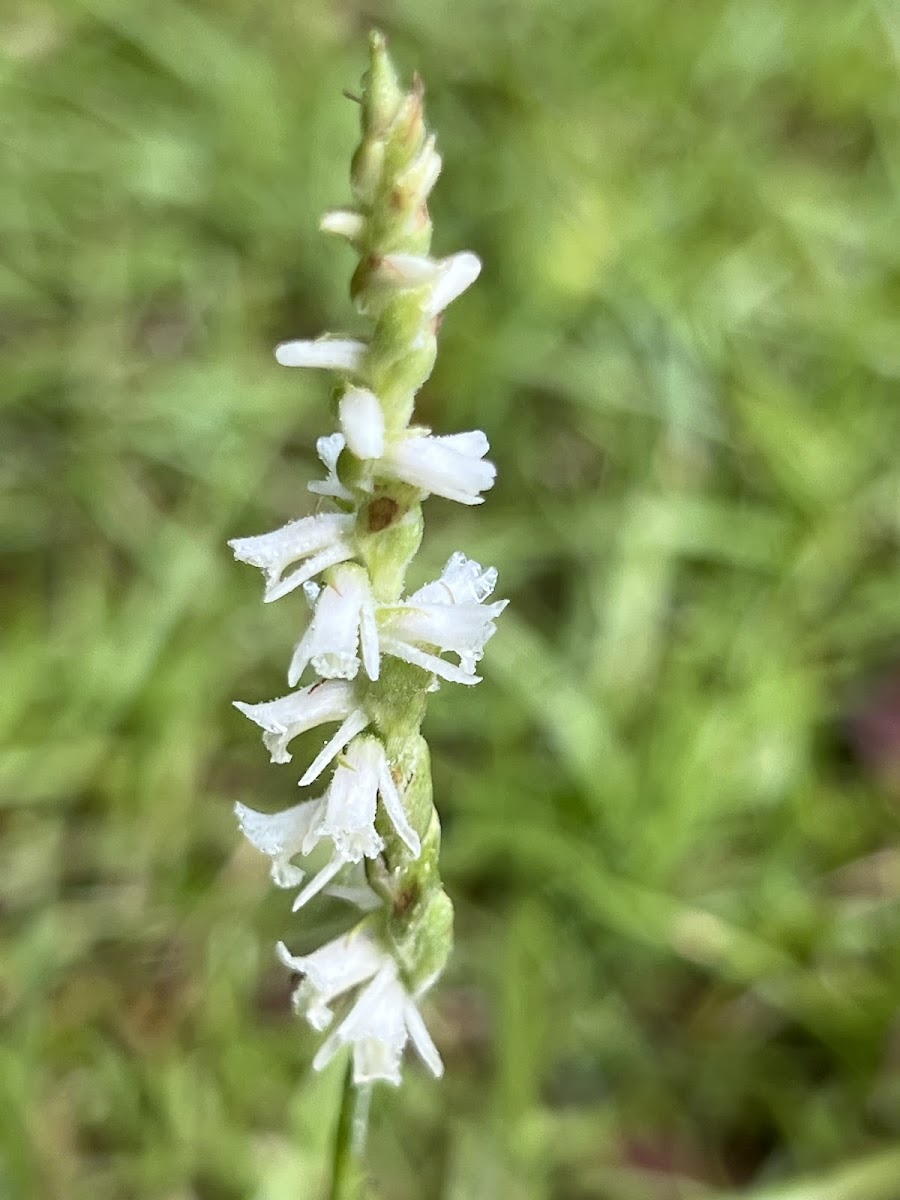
(382, 94)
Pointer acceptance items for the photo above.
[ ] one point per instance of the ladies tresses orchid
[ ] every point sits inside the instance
(376, 654)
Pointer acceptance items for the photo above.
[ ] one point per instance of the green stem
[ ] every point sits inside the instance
(347, 1179)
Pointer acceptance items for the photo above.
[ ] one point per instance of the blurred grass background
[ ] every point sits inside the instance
(671, 810)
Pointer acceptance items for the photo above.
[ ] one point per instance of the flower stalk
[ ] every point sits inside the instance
(370, 654)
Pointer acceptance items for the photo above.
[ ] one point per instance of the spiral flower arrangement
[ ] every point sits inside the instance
(370, 653)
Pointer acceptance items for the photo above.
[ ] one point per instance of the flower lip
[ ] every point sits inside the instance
(330, 971)
(362, 422)
(284, 718)
(329, 451)
(326, 353)
(350, 804)
(447, 615)
(448, 277)
(343, 620)
(459, 272)
(280, 836)
(453, 466)
(344, 222)
(322, 541)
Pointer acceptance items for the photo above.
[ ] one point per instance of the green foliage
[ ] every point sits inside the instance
(670, 818)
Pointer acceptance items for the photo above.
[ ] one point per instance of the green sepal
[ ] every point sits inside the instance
(373, 291)
(407, 133)
(423, 943)
(366, 171)
(409, 757)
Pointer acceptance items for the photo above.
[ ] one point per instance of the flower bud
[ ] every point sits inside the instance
(366, 171)
(382, 94)
(425, 942)
(345, 223)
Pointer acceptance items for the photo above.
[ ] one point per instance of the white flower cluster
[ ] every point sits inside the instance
(345, 640)
(371, 836)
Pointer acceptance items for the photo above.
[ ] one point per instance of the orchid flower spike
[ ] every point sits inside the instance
(370, 652)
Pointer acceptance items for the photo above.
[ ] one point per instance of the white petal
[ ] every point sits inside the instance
(318, 882)
(350, 803)
(332, 1045)
(331, 641)
(329, 451)
(300, 659)
(303, 709)
(330, 971)
(463, 629)
(362, 422)
(286, 717)
(462, 581)
(422, 173)
(472, 443)
(458, 272)
(280, 836)
(352, 956)
(446, 625)
(447, 614)
(331, 487)
(409, 270)
(354, 724)
(421, 1039)
(447, 466)
(376, 1029)
(449, 276)
(428, 662)
(332, 354)
(344, 222)
(393, 805)
(272, 552)
(368, 636)
(337, 552)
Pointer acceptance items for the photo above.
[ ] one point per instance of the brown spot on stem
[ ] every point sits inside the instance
(404, 900)
(382, 513)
